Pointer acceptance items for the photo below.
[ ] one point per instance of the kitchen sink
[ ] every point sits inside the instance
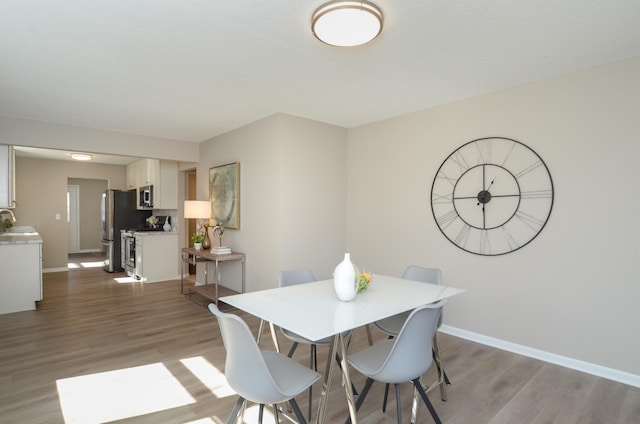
(20, 230)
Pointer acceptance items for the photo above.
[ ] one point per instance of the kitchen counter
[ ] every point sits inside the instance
(20, 235)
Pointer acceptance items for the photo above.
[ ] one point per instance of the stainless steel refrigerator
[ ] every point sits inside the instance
(118, 212)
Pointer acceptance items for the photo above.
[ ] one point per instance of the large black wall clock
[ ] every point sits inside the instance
(492, 196)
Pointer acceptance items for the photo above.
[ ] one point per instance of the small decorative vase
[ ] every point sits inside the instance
(167, 224)
(197, 246)
(206, 243)
(344, 280)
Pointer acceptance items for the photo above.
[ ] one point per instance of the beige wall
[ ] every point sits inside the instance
(574, 290)
(41, 193)
(293, 195)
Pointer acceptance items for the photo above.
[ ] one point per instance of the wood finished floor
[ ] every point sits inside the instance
(89, 323)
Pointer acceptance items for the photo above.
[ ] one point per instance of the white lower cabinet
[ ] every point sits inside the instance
(21, 277)
(157, 256)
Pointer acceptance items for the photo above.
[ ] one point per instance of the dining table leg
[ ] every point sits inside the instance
(338, 344)
(346, 376)
(326, 382)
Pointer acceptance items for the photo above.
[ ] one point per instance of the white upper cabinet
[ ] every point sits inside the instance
(161, 174)
(7, 177)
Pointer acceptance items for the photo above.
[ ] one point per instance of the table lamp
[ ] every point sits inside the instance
(200, 210)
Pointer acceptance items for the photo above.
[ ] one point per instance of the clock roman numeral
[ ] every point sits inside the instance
(529, 220)
(484, 152)
(442, 176)
(529, 168)
(446, 219)
(463, 236)
(513, 244)
(537, 194)
(459, 159)
(485, 243)
(439, 199)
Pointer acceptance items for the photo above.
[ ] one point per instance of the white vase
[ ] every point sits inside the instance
(167, 224)
(344, 280)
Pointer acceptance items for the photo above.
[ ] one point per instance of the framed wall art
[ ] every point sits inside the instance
(224, 192)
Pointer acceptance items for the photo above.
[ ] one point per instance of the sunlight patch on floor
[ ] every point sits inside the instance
(210, 376)
(126, 280)
(85, 264)
(119, 394)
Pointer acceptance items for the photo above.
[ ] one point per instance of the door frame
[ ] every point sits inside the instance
(73, 218)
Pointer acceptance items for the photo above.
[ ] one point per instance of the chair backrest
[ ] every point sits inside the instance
(425, 275)
(410, 356)
(244, 368)
(295, 276)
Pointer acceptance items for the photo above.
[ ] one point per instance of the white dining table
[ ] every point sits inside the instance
(313, 311)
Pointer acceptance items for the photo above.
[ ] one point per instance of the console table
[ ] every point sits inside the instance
(208, 290)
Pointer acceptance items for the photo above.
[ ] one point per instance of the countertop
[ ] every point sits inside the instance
(19, 235)
(156, 233)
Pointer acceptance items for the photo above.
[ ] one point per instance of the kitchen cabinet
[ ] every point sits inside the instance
(148, 172)
(7, 177)
(132, 176)
(156, 256)
(161, 174)
(21, 265)
(166, 191)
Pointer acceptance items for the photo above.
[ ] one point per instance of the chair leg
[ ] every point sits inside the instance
(235, 411)
(261, 413)
(384, 399)
(398, 403)
(427, 402)
(297, 411)
(363, 394)
(313, 364)
(293, 349)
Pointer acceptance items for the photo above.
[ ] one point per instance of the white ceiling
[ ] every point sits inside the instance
(193, 69)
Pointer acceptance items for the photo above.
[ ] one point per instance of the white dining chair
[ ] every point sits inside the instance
(401, 359)
(303, 276)
(392, 325)
(264, 378)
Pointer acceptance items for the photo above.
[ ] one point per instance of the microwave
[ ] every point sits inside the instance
(146, 196)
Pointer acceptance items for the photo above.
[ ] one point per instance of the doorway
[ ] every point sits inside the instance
(191, 194)
(84, 220)
(73, 221)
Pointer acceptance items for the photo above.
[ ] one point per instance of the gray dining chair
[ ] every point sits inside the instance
(392, 325)
(303, 276)
(401, 359)
(264, 378)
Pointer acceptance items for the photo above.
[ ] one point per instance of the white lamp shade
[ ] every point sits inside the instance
(199, 209)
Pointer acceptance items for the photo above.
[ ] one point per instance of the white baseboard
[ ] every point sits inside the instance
(65, 269)
(578, 365)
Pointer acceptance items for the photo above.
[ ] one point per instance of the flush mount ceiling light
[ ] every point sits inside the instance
(81, 156)
(346, 23)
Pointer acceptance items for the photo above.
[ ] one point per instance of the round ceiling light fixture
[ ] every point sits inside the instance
(346, 23)
(81, 156)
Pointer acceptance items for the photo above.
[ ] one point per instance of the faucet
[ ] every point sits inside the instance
(13, 217)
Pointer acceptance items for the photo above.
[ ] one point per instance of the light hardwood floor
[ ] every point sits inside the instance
(92, 336)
